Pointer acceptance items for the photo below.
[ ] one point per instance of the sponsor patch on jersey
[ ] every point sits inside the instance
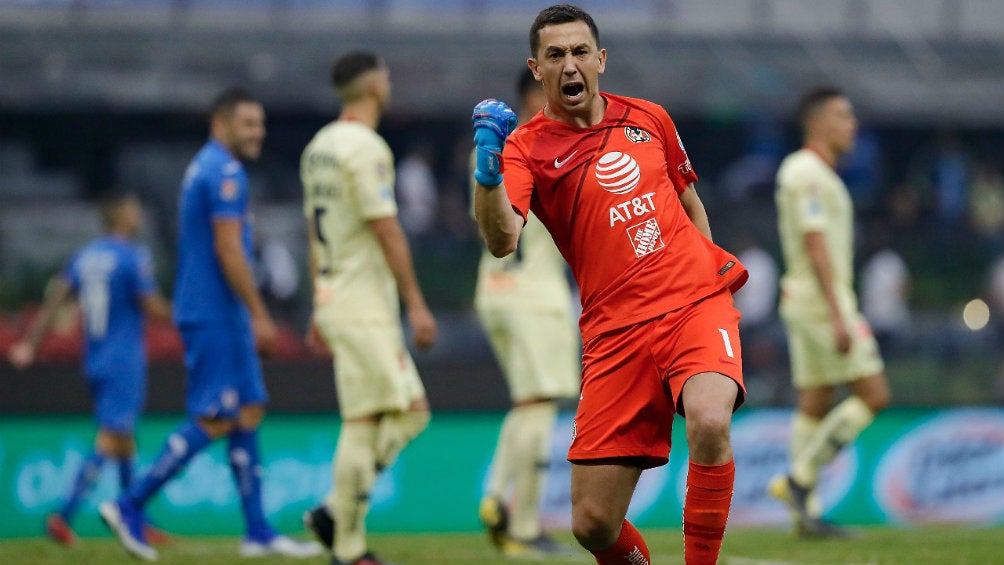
(685, 168)
(617, 172)
(636, 134)
(646, 237)
(228, 190)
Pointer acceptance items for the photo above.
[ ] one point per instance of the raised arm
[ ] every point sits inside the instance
(498, 223)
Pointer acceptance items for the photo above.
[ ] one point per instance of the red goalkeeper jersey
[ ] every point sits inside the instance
(609, 195)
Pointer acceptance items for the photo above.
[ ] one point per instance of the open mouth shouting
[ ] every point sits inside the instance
(573, 91)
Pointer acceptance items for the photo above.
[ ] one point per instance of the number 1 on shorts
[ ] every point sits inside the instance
(728, 344)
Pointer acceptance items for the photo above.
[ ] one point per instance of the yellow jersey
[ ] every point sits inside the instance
(347, 171)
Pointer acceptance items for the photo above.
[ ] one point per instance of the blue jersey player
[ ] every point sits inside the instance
(112, 278)
(224, 325)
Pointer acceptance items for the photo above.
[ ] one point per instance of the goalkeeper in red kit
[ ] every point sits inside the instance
(609, 178)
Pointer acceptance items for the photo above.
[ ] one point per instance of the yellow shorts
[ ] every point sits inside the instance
(814, 358)
(374, 372)
(538, 352)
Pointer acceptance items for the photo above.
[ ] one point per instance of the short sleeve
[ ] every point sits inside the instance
(374, 176)
(806, 202)
(518, 178)
(228, 192)
(678, 165)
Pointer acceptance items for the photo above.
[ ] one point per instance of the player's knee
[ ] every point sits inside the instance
(250, 417)
(593, 527)
(708, 433)
(879, 399)
(215, 427)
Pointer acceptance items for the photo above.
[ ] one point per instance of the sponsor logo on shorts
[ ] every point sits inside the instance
(229, 399)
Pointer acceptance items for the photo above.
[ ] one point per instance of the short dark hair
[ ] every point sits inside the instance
(560, 14)
(813, 100)
(227, 100)
(526, 83)
(348, 67)
(110, 204)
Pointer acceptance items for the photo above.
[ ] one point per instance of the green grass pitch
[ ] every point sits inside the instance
(872, 546)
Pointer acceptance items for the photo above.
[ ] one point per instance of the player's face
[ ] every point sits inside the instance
(131, 216)
(569, 63)
(244, 130)
(838, 124)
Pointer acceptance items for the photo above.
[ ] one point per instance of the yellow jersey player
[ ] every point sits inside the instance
(360, 263)
(829, 340)
(524, 304)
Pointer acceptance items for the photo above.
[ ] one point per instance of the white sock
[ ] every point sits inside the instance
(836, 430)
(535, 425)
(354, 472)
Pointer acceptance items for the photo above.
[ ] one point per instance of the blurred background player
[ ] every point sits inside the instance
(830, 342)
(222, 320)
(609, 178)
(360, 264)
(525, 307)
(112, 278)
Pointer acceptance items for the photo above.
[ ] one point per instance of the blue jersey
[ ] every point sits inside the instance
(215, 187)
(110, 276)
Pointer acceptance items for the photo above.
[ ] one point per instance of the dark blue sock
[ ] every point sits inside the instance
(125, 473)
(86, 476)
(183, 443)
(246, 466)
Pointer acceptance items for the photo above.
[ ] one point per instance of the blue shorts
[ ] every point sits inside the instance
(224, 372)
(118, 400)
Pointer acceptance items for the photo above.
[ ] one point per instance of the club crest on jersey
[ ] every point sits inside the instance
(617, 172)
(636, 134)
(228, 190)
(646, 237)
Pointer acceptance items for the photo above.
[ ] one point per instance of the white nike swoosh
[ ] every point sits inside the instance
(558, 164)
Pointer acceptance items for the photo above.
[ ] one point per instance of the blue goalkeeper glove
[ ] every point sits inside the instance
(493, 122)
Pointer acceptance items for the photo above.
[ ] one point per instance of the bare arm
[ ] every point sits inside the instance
(397, 253)
(499, 224)
(815, 248)
(694, 208)
(156, 306)
(22, 353)
(314, 339)
(237, 272)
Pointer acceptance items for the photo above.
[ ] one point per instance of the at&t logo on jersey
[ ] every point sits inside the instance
(617, 172)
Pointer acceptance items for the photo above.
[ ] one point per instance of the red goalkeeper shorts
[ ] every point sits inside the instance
(632, 379)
